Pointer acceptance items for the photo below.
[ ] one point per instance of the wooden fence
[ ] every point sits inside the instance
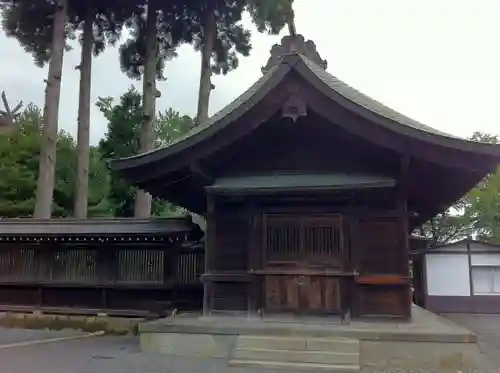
(114, 278)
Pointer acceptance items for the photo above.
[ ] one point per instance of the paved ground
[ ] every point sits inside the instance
(487, 327)
(13, 336)
(106, 354)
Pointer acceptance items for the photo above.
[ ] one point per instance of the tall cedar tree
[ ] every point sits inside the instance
(221, 37)
(47, 163)
(99, 23)
(193, 22)
(43, 18)
(143, 199)
(155, 34)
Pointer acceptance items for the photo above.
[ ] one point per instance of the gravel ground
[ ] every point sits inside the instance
(109, 354)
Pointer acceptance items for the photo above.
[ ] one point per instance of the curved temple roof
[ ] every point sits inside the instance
(335, 89)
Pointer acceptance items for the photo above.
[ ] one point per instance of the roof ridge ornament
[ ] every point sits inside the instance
(294, 44)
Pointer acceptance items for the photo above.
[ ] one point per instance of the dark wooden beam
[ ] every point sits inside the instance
(209, 252)
(402, 196)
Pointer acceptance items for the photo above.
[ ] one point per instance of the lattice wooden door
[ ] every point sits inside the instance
(296, 250)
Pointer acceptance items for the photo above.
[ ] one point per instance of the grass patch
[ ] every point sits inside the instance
(90, 324)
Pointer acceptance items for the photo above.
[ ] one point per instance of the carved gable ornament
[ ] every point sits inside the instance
(294, 107)
(294, 45)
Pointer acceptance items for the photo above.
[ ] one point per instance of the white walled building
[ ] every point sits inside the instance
(462, 277)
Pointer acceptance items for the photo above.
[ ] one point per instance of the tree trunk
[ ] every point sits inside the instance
(46, 168)
(142, 207)
(209, 29)
(82, 166)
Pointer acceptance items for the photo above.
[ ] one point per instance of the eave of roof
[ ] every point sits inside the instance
(381, 114)
(217, 122)
(296, 182)
(333, 88)
(93, 227)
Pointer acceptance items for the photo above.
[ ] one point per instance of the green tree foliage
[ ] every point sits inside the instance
(270, 16)
(448, 226)
(170, 125)
(122, 140)
(133, 51)
(19, 165)
(482, 204)
(31, 23)
(19, 152)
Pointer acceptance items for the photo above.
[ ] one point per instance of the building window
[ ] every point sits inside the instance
(486, 280)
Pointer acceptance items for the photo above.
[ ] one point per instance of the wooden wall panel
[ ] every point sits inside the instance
(227, 296)
(382, 300)
(379, 246)
(310, 145)
(113, 277)
(381, 287)
(302, 294)
(231, 242)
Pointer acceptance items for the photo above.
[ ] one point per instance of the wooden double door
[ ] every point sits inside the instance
(303, 263)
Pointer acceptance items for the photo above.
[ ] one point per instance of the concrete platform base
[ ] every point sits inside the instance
(426, 342)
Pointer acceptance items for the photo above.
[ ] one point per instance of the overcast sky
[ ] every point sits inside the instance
(437, 61)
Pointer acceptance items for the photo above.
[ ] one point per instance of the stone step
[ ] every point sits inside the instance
(298, 343)
(296, 356)
(290, 367)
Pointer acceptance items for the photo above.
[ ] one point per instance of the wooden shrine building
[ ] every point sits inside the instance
(310, 190)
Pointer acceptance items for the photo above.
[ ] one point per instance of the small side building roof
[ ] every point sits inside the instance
(464, 245)
(66, 227)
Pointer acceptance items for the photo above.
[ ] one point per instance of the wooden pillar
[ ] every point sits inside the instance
(209, 252)
(404, 216)
(469, 261)
(104, 259)
(253, 254)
